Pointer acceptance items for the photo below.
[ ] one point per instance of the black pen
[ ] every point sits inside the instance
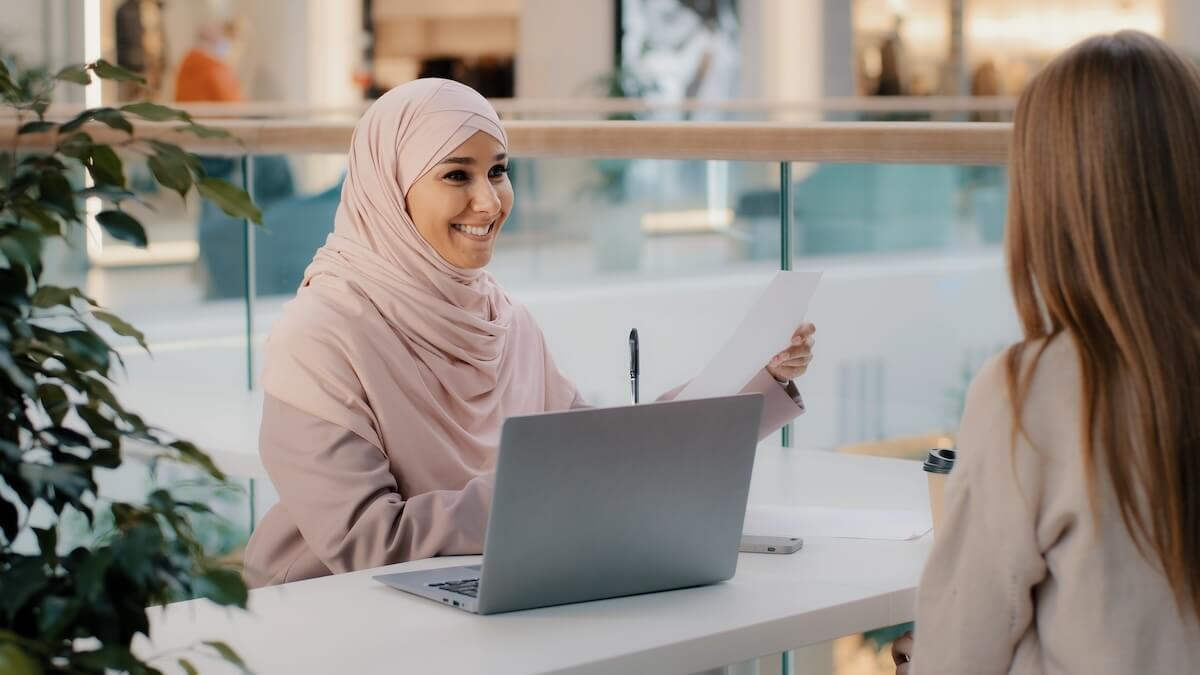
(633, 364)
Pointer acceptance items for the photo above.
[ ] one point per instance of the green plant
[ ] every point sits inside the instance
(78, 610)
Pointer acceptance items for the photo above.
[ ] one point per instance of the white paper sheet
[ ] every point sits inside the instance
(766, 330)
(805, 521)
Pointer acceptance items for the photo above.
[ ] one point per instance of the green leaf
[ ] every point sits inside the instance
(170, 151)
(66, 479)
(229, 198)
(54, 400)
(77, 145)
(99, 424)
(105, 166)
(24, 579)
(155, 112)
(224, 587)
(9, 519)
(22, 246)
(85, 345)
(47, 543)
(123, 226)
(121, 328)
(202, 131)
(55, 614)
(190, 454)
(107, 458)
(136, 551)
(76, 74)
(172, 173)
(36, 127)
(107, 71)
(188, 667)
(78, 120)
(16, 661)
(89, 576)
(54, 191)
(109, 193)
(114, 119)
(227, 653)
(111, 657)
(44, 217)
(7, 167)
(53, 296)
(14, 373)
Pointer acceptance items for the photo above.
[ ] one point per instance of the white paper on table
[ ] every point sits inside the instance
(806, 521)
(766, 330)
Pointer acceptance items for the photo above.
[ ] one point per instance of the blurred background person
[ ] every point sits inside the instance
(141, 47)
(205, 74)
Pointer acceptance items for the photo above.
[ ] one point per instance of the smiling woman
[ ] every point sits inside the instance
(389, 376)
(460, 206)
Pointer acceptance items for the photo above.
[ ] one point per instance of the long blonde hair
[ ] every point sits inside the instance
(1103, 244)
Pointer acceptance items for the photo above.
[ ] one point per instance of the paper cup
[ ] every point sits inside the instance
(937, 467)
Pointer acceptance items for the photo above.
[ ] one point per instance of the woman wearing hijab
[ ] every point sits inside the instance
(387, 379)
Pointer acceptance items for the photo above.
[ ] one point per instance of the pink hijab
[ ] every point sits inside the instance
(386, 338)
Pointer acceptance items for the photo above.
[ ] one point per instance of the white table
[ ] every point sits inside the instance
(833, 587)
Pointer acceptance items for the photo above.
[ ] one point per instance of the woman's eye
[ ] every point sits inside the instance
(498, 170)
(457, 176)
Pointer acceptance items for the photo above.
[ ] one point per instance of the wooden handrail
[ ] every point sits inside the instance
(844, 142)
(608, 106)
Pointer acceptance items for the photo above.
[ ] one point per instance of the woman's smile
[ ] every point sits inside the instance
(477, 232)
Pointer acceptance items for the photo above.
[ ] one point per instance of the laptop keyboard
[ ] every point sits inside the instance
(467, 587)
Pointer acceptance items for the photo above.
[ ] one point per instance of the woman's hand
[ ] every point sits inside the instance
(793, 361)
(902, 653)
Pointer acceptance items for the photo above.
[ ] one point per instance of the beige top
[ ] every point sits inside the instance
(344, 505)
(1022, 578)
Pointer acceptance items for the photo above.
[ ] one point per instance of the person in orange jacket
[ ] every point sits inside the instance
(204, 76)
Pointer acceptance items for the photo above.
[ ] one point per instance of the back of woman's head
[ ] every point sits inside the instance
(1104, 244)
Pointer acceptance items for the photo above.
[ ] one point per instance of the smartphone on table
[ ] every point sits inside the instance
(761, 544)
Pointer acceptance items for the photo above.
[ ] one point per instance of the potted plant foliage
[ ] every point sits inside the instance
(79, 610)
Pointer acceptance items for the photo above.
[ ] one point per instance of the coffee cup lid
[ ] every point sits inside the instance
(940, 460)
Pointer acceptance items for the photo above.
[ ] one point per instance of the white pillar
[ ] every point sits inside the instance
(564, 45)
(1181, 22)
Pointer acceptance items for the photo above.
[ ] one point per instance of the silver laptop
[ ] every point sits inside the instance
(606, 502)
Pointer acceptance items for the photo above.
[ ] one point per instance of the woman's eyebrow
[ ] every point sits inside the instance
(470, 160)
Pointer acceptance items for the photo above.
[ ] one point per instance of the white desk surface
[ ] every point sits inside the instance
(351, 624)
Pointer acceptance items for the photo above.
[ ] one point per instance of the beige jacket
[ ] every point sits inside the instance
(1022, 578)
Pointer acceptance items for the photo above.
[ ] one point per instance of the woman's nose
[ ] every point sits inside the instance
(485, 199)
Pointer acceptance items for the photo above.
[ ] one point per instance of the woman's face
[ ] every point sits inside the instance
(461, 203)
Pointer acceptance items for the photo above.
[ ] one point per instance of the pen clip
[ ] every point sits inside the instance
(634, 364)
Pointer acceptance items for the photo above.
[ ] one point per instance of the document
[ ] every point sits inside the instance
(766, 330)
(811, 521)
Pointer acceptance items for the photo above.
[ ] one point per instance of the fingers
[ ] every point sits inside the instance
(902, 652)
(797, 353)
(793, 361)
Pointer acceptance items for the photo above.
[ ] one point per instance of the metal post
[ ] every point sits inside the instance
(251, 286)
(786, 216)
(253, 508)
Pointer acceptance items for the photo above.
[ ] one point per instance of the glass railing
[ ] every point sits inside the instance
(675, 238)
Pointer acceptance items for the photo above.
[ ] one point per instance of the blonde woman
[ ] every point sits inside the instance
(1072, 537)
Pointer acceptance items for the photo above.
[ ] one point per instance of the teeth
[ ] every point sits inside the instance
(476, 231)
